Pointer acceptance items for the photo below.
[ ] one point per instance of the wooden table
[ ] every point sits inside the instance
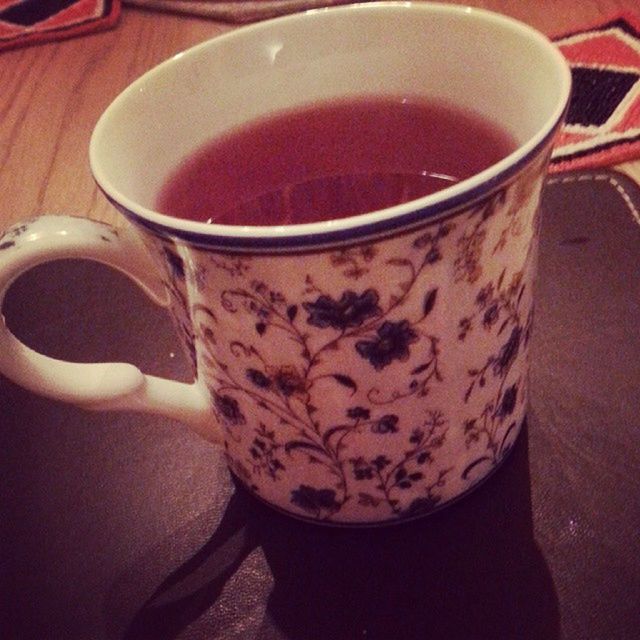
(52, 95)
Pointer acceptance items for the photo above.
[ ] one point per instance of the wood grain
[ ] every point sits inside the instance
(51, 96)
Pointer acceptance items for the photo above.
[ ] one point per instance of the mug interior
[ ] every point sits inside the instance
(494, 66)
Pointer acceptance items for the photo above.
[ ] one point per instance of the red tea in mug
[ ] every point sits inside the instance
(332, 160)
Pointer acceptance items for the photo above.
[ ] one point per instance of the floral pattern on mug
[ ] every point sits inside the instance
(374, 382)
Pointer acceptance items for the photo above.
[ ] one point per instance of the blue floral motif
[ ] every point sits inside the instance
(176, 263)
(350, 310)
(508, 403)
(229, 409)
(508, 352)
(422, 506)
(391, 343)
(358, 413)
(315, 501)
(498, 305)
(288, 381)
(258, 378)
(491, 316)
(387, 424)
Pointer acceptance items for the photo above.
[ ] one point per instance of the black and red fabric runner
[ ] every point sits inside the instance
(24, 22)
(603, 122)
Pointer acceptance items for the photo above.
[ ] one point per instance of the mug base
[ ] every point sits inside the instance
(388, 522)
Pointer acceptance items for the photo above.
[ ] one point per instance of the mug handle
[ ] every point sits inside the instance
(105, 385)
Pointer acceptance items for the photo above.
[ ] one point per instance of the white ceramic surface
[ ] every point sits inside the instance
(357, 371)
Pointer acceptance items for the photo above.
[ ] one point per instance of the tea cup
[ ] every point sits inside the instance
(358, 371)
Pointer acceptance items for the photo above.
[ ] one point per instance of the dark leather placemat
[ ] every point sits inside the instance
(127, 526)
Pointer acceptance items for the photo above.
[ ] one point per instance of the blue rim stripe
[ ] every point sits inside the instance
(331, 239)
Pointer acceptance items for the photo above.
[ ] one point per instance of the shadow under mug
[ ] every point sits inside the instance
(357, 371)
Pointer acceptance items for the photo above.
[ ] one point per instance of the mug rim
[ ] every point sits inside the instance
(387, 220)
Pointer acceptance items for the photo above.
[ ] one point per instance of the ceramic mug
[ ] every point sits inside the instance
(357, 371)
